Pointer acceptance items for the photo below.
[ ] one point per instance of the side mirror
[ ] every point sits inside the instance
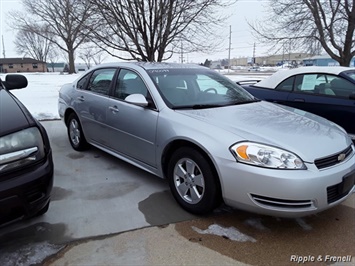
(137, 99)
(15, 81)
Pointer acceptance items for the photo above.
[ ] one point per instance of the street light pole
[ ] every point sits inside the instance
(229, 49)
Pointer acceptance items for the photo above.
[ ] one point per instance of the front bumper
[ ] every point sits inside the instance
(26, 192)
(286, 193)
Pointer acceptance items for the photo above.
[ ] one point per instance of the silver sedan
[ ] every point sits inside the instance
(210, 138)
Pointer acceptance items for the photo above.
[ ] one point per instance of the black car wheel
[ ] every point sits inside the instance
(75, 133)
(192, 181)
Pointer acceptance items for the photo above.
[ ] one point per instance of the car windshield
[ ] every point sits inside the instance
(197, 88)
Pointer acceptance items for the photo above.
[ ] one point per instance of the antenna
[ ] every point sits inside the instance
(3, 46)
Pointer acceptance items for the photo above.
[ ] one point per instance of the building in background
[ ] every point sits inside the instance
(271, 60)
(323, 60)
(24, 64)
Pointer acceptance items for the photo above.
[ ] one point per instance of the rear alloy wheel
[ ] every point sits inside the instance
(192, 181)
(75, 134)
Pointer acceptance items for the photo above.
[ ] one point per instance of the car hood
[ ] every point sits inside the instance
(307, 135)
(12, 118)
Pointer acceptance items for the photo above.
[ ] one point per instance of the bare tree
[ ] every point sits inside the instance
(152, 30)
(90, 53)
(65, 21)
(29, 43)
(330, 23)
(52, 58)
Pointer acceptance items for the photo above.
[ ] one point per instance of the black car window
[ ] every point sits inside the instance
(341, 87)
(324, 84)
(286, 85)
(311, 83)
(100, 80)
(128, 82)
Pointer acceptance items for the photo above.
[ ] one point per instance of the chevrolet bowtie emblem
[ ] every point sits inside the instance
(341, 157)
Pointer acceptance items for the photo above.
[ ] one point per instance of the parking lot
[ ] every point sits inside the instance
(98, 197)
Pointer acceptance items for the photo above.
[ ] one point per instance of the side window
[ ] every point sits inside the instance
(323, 84)
(100, 80)
(128, 82)
(286, 85)
(341, 87)
(81, 83)
(309, 83)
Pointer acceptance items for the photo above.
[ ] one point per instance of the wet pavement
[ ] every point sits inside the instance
(107, 212)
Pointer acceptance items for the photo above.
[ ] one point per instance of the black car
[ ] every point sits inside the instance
(26, 164)
(326, 91)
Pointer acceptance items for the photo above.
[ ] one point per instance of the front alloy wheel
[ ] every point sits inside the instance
(192, 181)
(189, 180)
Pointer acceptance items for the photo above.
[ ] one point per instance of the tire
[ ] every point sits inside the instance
(75, 133)
(192, 181)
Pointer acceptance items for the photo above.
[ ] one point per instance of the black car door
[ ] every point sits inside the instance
(317, 93)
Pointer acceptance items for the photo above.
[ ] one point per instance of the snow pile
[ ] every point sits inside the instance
(231, 233)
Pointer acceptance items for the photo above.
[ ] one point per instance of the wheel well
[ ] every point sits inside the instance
(68, 112)
(169, 150)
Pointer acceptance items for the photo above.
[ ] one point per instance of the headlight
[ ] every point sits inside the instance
(266, 156)
(20, 149)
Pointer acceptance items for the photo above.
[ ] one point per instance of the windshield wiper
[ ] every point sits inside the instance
(199, 106)
(246, 101)
(214, 105)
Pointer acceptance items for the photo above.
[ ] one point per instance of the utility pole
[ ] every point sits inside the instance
(182, 54)
(229, 49)
(254, 55)
(3, 46)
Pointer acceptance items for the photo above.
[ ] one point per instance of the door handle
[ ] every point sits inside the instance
(114, 109)
(299, 100)
(81, 98)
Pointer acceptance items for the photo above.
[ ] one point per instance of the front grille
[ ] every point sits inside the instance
(338, 191)
(283, 203)
(334, 159)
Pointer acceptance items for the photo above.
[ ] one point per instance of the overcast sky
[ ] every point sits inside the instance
(242, 41)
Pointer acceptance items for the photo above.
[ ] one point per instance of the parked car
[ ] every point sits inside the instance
(26, 165)
(325, 91)
(254, 69)
(210, 138)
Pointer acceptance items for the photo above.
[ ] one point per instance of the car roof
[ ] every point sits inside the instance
(148, 65)
(275, 79)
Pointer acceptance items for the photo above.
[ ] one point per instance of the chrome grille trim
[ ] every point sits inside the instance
(333, 159)
(283, 203)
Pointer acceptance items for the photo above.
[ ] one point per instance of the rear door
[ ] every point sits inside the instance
(92, 101)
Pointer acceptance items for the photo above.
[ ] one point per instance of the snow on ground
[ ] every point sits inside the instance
(41, 95)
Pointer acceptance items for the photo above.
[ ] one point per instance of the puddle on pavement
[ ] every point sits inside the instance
(107, 190)
(276, 239)
(39, 232)
(59, 193)
(31, 245)
(75, 156)
(161, 208)
(95, 192)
